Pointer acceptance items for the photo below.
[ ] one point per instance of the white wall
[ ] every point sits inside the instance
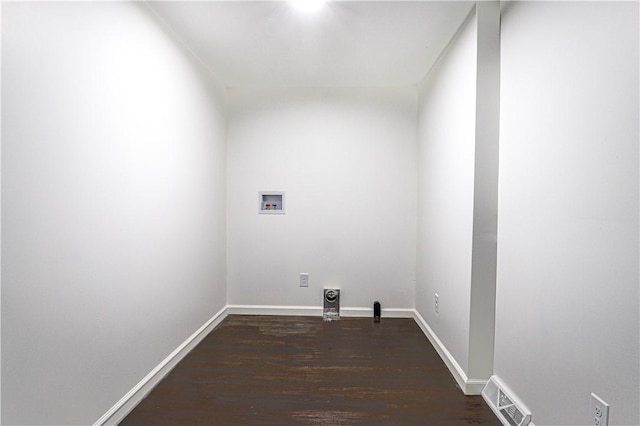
(346, 159)
(113, 205)
(115, 208)
(446, 150)
(0, 223)
(567, 292)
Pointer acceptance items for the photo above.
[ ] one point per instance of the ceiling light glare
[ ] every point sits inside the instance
(308, 6)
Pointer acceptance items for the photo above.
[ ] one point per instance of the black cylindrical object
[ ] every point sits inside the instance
(376, 311)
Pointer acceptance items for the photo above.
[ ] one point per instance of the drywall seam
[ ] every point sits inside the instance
(468, 386)
(132, 398)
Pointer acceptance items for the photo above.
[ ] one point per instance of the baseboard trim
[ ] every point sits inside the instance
(127, 403)
(303, 311)
(368, 312)
(468, 386)
(475, 386)
(315, 311)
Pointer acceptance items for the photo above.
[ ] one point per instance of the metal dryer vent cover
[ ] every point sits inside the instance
(331, 304)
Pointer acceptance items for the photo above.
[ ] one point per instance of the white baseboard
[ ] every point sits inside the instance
(468, 386)
(315, 311)
(368, 312)
(119, 411)
(274, 310)
(128, 402)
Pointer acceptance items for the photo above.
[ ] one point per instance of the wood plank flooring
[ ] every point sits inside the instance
(271, 370)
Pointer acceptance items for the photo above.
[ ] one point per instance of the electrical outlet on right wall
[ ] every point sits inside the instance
(599, 413)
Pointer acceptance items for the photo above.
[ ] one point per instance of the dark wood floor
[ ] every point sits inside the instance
(303, 371)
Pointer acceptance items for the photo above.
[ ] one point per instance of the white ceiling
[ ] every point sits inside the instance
(346, 43)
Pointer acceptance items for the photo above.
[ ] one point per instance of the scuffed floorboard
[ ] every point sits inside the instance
(257, 370)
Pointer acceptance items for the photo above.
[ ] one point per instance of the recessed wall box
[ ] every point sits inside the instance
(331, 304)
(271, 202)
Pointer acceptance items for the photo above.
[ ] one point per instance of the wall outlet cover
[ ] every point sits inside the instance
(304, 279)
(599, 413)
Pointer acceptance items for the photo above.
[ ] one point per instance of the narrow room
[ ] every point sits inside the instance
(176, 173)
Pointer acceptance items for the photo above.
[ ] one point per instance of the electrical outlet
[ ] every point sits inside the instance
(599, 414)
(304, 279)
(436, 304)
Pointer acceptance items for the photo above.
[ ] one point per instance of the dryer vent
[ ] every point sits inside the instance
(331, 304)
